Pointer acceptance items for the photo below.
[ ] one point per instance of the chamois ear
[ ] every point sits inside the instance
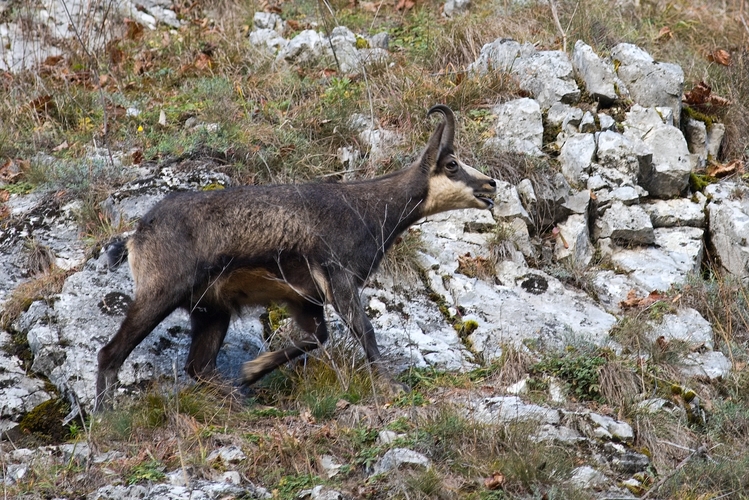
(432, 150)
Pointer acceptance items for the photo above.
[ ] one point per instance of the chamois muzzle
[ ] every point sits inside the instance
(487, 196)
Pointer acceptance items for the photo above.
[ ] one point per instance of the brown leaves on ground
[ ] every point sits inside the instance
(495, 482)
(720, 56)
(725, 169)
(12, 170)
(633, 301)
(475, 267)
(664, 34)
(701, 96)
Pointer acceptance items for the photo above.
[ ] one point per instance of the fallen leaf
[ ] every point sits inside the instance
(405, 5)
(12, 170)
(4, 195)
(665, 33)
(495, 482)
(162, 118)
(4, 211)
(294, 25)
(725, 169)
(701, 95)
(633, 300)
(720, 56)
(662, 343)
(368, 6)
(42, 104)
(137, 157)
(203, 61)
(60, 147)
(52, 60)
(134, 29)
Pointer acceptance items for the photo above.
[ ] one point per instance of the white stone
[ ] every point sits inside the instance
(711, 365)
(597, 74)
(677, 212)
(227, 455)
(588, 478)
(620, 431)
(676, 254)
(519, 127)
(511, 408)
(396, 457)
(576, 155)
(629, 224)
(728, 214)
(687, 325)
(572, 242)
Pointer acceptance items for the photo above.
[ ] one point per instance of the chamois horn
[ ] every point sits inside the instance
(448, 134)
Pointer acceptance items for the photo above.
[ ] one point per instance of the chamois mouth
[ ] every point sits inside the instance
(486, 199)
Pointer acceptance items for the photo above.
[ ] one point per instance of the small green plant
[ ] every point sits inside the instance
(289, 486)
(578, 369)
(153, 470)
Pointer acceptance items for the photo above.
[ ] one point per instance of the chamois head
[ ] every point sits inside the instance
(452, 183)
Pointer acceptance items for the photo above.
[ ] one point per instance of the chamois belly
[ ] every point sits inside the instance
(258, 286)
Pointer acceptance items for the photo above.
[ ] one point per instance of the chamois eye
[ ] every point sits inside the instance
(452, 166)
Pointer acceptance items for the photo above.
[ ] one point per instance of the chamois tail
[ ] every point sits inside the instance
(116, 251)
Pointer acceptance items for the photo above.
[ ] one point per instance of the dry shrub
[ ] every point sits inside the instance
(619, 384)
(516, 364)
(42, 287)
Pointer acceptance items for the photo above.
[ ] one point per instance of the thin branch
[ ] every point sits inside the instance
(555, 15)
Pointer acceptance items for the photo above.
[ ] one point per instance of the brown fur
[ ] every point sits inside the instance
(306, 245)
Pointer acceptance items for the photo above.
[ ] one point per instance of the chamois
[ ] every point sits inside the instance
(304, 245)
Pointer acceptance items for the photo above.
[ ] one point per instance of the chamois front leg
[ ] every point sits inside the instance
(347, 302)
(208, 329)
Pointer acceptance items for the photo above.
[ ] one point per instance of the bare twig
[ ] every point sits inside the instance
(555, 15)
(700, 451)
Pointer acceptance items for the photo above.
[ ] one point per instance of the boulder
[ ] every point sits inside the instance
(676, 254)
(519, 127)
(572, 242)
(649, 83)
(671, 161)
(394, 458)
(598, 75)
(728, 215)
(688, 326)
(548, 76)
(576, 156)
(454, 8)
(626, 224)
(677, 212)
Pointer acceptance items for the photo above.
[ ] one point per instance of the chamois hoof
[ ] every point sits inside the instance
(252, 371)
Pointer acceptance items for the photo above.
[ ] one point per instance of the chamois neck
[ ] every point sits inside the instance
(398, 199)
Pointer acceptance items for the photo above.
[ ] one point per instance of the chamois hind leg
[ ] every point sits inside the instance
(208, 329)
(144, 314)
(311, 318)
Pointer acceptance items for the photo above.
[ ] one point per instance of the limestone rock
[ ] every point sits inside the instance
(573, 241)
(598, 75)
(677, 212)
(628, 224)
(687, 325)
(728, 214)
(649, 83)
(677, 253)
(576, 156)
(519, 127)
(396, 457)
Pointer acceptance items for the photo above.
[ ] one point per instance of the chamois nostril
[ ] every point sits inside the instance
(492, 183)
